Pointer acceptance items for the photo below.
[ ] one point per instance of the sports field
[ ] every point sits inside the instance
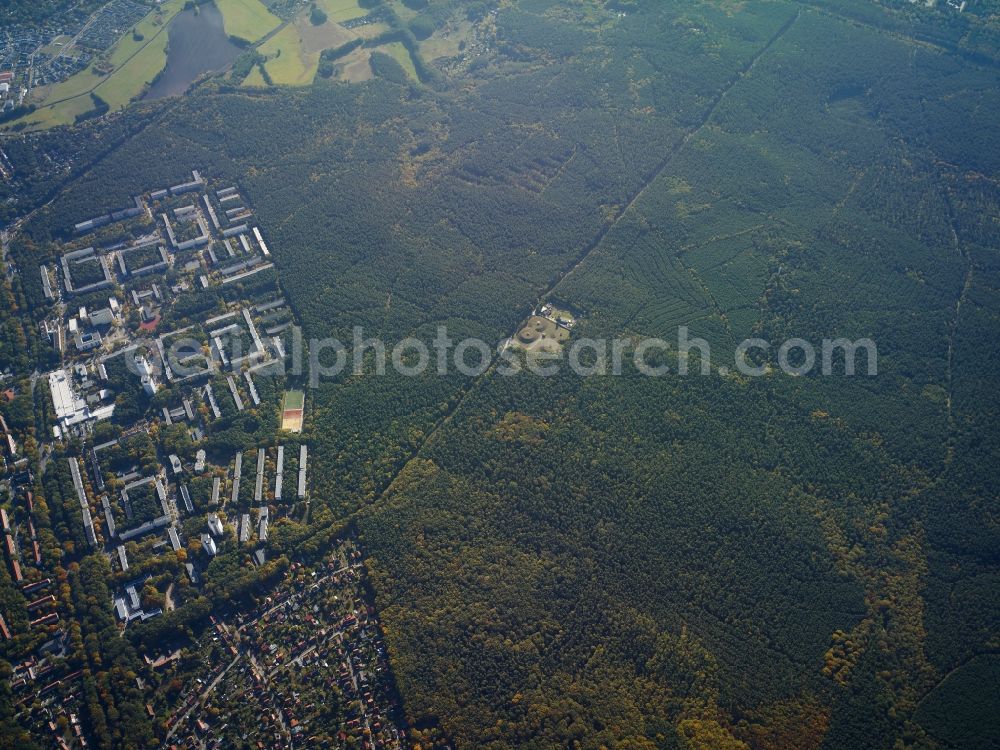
(292, 409)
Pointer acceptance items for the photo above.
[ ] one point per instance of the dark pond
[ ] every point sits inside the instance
(198, 43)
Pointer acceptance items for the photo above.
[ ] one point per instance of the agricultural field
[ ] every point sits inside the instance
(249, 20)
(134, 63)
(398, 52)
(288, 62)
(341, 10)
(134, 73)
(354, 67)
(403, 11)
(255, 78)
(314, 39)
(371, 30)
(293, 54)
(61, 113)
(447, 41)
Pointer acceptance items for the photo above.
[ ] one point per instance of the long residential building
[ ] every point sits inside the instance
(279, 469)
(259, 489)
(302, 472)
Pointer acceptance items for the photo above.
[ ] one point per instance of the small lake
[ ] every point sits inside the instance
(198, 44)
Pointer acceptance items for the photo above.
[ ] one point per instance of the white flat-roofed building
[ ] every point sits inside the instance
(302, 472)
(208, 544)
(260, 241)
(175, 542)
(70, 409)
(103, 317)
(149, 384)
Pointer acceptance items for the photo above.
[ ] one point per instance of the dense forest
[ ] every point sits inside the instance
(672, 562)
